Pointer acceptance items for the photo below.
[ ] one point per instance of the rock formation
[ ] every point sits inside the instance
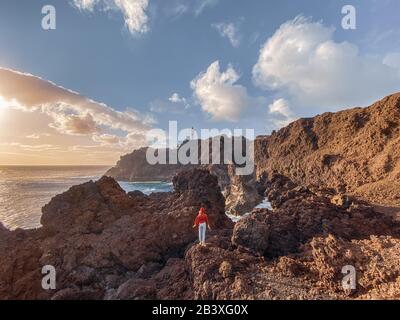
(300, 215)
(106, 244)
(354, 151)
(240, 192)
(323, 176)
(99, 238)
(135, 167)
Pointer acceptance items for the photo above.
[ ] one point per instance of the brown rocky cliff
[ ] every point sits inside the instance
(134, 167)
(240, 192)
(354, 151)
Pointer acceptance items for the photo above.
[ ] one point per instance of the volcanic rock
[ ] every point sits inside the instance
(240, 192)
(375, 260)
(353, 151)
(320, 176)
(252, 232)
(96, 231)
(301, 215)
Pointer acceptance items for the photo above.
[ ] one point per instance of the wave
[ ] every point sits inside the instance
(265, 204)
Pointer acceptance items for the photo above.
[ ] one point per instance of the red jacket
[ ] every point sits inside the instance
(201, 217)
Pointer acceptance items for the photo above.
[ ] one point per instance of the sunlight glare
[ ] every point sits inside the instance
(3, 103)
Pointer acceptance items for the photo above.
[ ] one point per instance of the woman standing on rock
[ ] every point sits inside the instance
(202, 223)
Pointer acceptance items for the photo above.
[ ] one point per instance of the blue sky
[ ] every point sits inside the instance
(93, 52)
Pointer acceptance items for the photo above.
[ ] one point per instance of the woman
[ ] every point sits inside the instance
(202, 223)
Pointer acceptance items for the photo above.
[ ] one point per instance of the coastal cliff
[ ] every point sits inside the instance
(354, 151)
(135, 167)
(327, 179)
(241, 192)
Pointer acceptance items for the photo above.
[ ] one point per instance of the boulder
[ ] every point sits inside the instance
(252, 232)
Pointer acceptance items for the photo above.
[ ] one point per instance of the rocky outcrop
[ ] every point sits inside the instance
(354, 151)
(300, 215)
(375, 260)
(219, 274)
(135, 167)
(310, 238)
(98, 239)
(252, 232)
(240, 192)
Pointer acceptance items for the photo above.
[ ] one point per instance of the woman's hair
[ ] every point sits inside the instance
(205, 203)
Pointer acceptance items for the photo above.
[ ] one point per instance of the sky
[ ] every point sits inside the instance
(112, 71)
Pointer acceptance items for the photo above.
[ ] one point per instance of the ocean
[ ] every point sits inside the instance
(25, 190)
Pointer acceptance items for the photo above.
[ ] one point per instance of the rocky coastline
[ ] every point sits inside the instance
(331, 180)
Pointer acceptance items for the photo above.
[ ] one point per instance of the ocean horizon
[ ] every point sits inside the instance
(24, 190)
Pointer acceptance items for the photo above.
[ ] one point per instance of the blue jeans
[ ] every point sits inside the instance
(202, 231)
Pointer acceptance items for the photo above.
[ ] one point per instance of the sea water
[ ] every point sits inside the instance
(25, 190)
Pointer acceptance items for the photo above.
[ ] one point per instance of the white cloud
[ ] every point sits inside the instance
(177, 9)
(34, 148)
(280, 106)
(218, 94)
(70, 112)
(303, 63)
(201, 5)
(229, 31)
(393, 60)
(37, 136)
(33, 136)
(106, 139)
(85, 4)
(281, 109)
(175, 98)
(134, 11)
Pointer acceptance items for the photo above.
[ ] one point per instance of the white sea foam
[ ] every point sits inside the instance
(265, 204)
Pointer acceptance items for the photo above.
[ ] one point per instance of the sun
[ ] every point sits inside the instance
(3, 103)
